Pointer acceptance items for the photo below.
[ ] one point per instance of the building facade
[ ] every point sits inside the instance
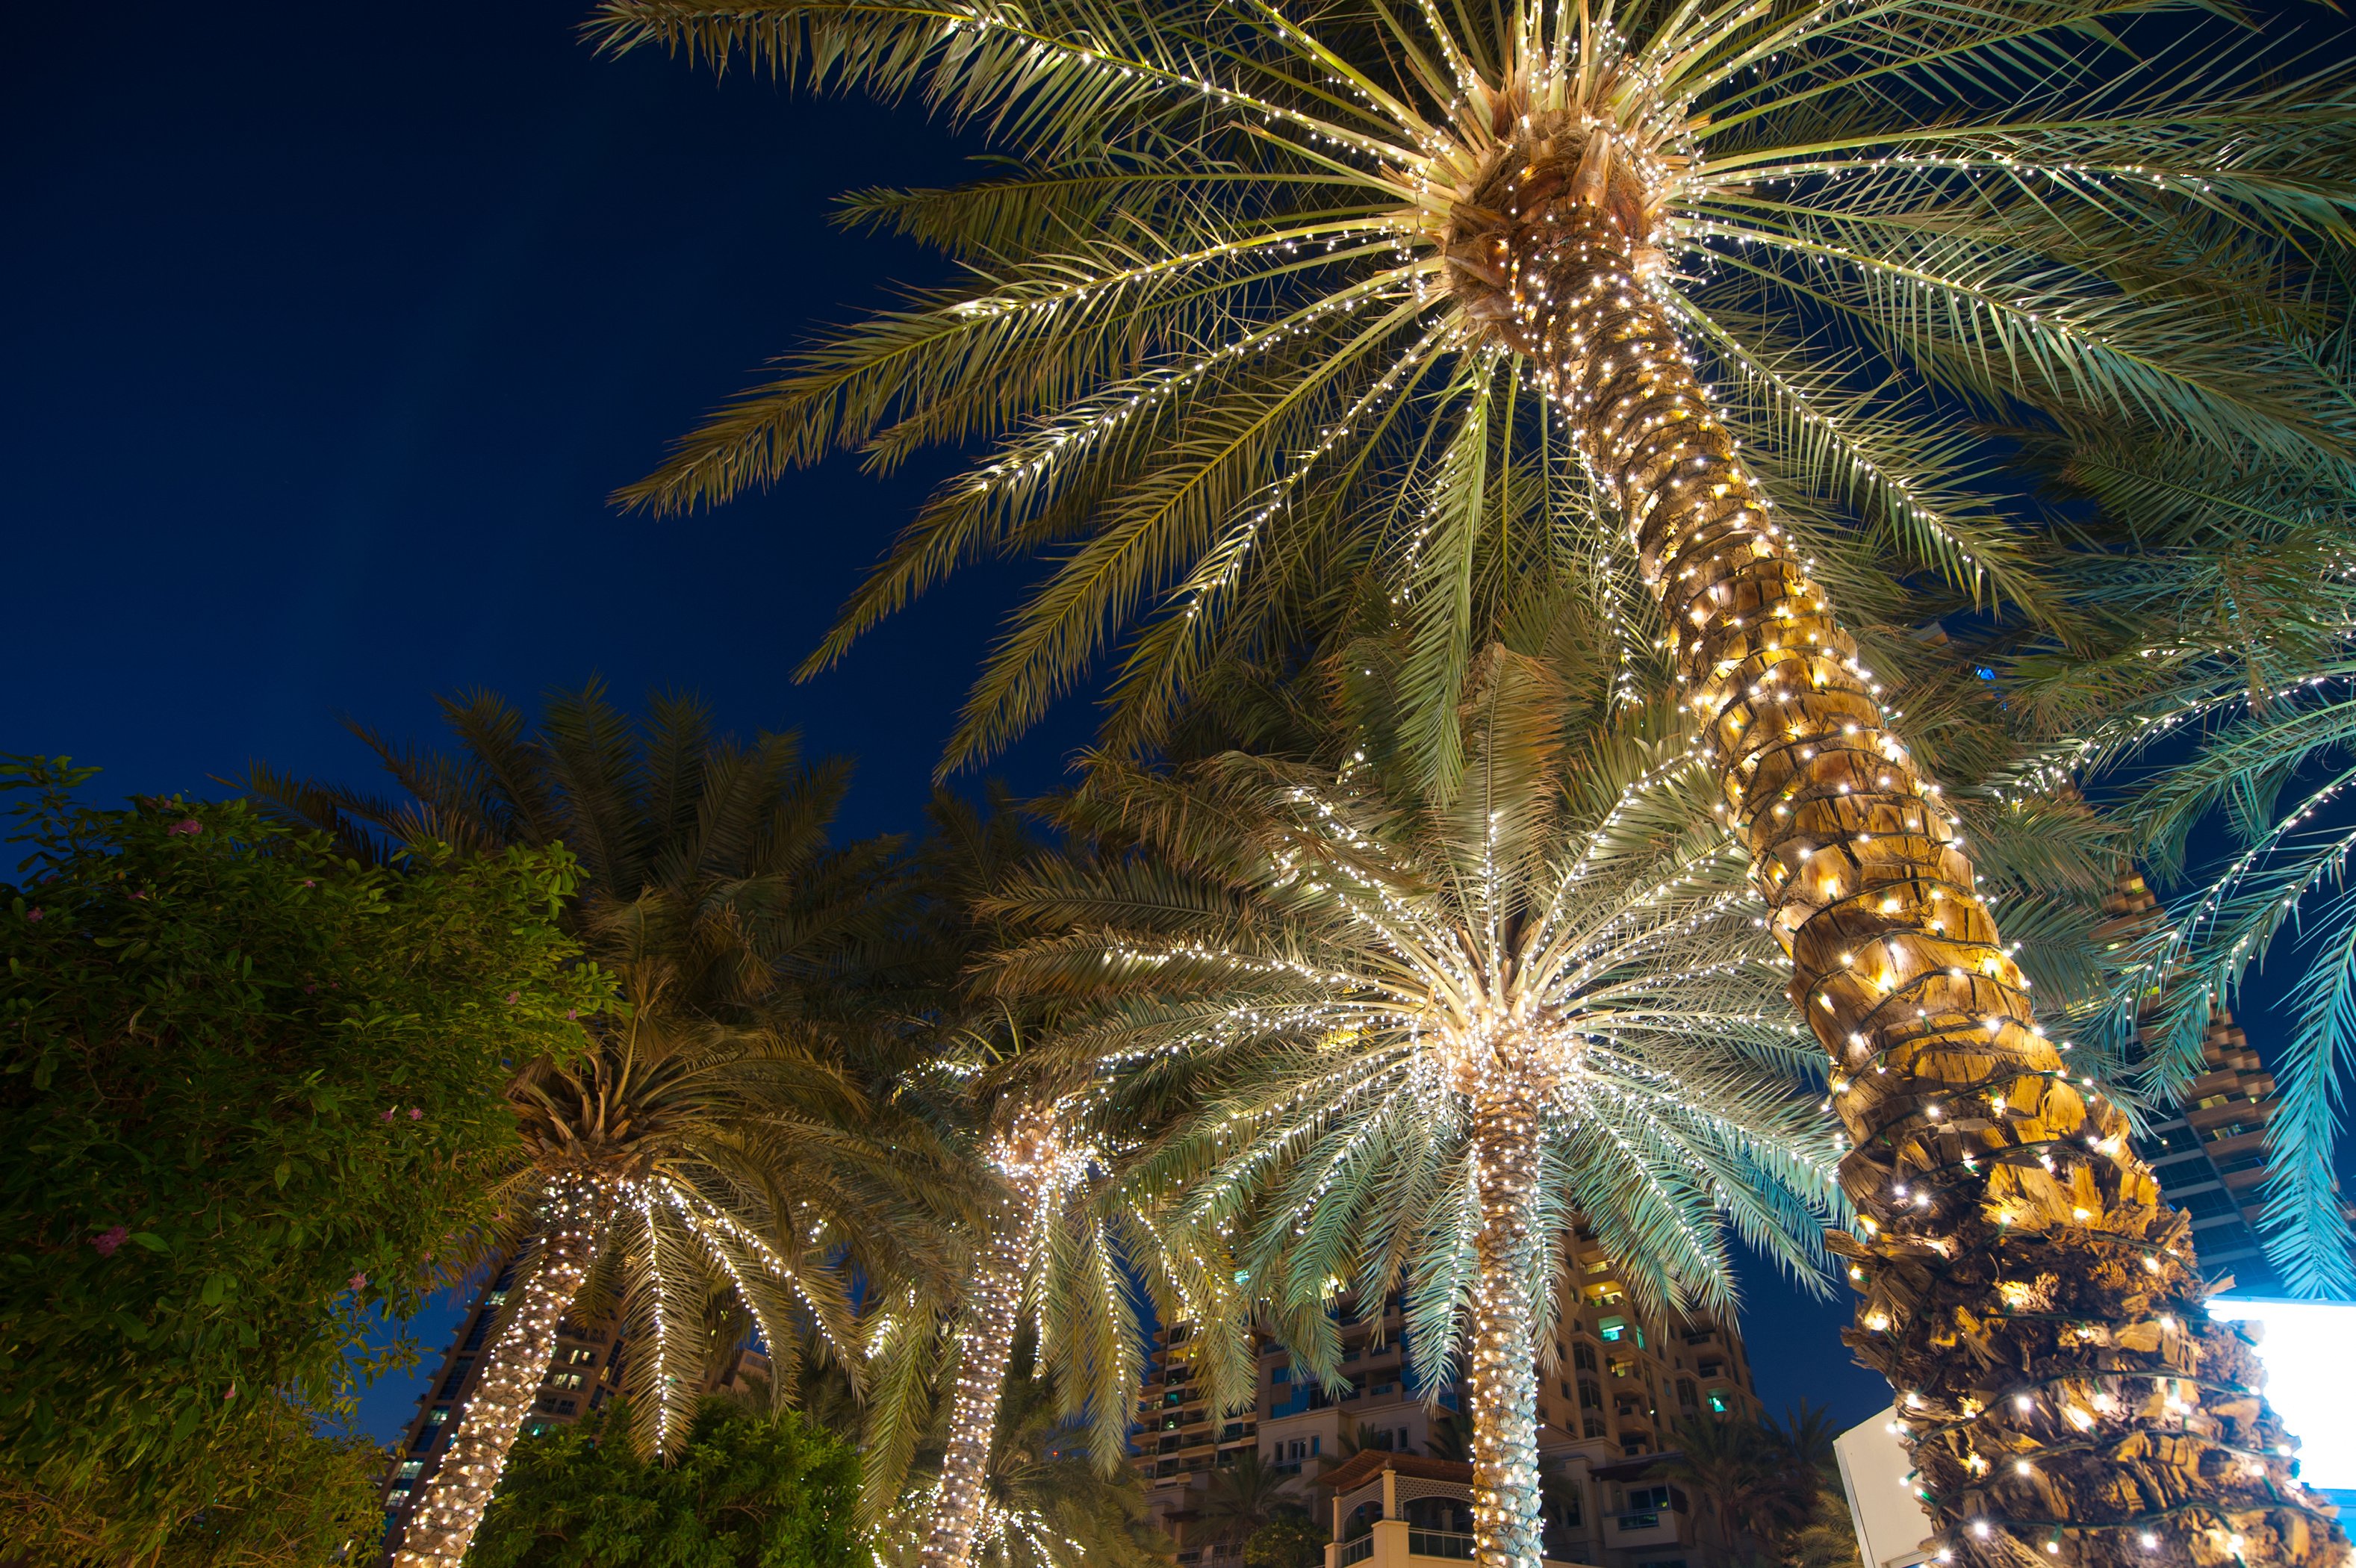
(2210, 1155)
(1615, 1384)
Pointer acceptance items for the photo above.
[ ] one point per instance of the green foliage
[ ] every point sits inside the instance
(1769, 1489)
(250, 1090)
(735, 930)
(1288, 1541)
(284, 1496)
(746, 1489)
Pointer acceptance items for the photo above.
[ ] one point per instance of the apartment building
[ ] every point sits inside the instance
(2211, 1153)
(1616, 1383)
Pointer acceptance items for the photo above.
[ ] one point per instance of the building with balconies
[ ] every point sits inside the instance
(2210, 1155)
(1614, 1382)
(1405, 1511)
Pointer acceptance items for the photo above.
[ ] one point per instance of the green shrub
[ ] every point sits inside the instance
(748, 1490)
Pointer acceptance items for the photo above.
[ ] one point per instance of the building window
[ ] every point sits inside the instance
(1593, 1426)
(1686, 1392)
(409, 1468)
(1584, 1358)
(457, 1378)
(1720, 1402)
(1314, 1444)
(397, 1497)
(1281, 1375)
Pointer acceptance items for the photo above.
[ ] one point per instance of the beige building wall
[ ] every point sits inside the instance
(1614, 1385)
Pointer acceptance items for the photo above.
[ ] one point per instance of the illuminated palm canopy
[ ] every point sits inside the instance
(1251, 298)
(1332, 968)
(1399, 1034)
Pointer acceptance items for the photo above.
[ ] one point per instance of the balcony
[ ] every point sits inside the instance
(1394, 1543)
(1640, 1527)
(1395, 1487)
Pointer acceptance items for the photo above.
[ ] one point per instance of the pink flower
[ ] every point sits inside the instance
(573, 1012)
(359, 1282)
(514, 997)
(416, 1115)
(185, 825)
(388, 1115)
(309, 883)
(232, 1392)
(311, 988)
(107, 1241)
(33, 914)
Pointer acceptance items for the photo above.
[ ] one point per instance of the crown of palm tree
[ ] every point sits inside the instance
(1322, 968)
(736, 1150)
(1246, 309)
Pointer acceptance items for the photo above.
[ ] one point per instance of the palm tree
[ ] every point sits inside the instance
(1055, 1242)
(1732, 1465)
(1276, 287)
(712, 1141)
(1414, 1033)
(1247, 1494)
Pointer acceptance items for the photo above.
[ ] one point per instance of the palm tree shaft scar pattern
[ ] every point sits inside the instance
(995, 1297)
(453, 1501)
(2094, 1415)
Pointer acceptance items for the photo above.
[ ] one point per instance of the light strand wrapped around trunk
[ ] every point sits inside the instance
(2035, 1305)
(450, 1505)
(1501, 1379)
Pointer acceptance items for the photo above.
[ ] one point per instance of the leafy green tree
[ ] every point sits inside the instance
(252, 1091)
(286, 1493)
(715, 1140)
(743, 1488)
(1701, 286)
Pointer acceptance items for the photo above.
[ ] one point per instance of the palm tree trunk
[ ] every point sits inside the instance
(986, 1338)
(451, 1503)
(2034, 1304)
(1502, 1377)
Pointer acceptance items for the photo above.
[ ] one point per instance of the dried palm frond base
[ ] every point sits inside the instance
(2065, 1394)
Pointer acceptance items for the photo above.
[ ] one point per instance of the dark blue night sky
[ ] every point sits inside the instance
(326, 338)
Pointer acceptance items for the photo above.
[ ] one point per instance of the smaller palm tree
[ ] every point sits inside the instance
(1411, 1028)
(712, 1141)
(1244, 1495)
